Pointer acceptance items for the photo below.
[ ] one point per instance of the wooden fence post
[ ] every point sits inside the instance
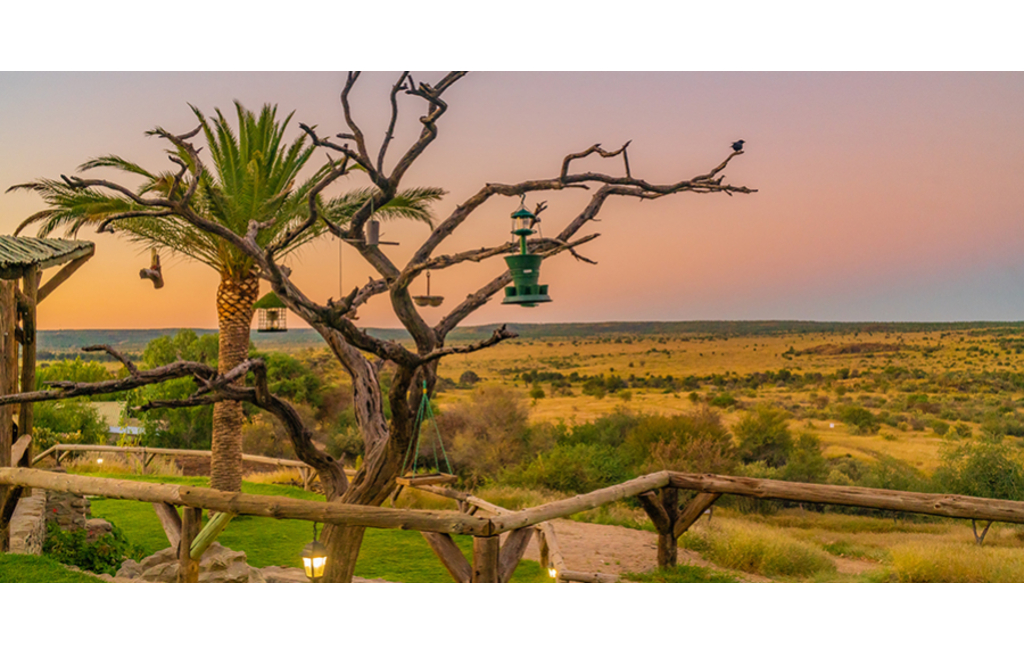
(188, 568)
(485, 559)
(663, 508)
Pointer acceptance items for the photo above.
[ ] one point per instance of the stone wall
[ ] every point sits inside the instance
(68, 510)
(28, 524)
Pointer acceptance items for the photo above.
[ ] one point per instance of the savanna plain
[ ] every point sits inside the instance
(922, 407)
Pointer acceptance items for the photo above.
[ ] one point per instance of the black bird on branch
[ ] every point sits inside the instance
(738, 145)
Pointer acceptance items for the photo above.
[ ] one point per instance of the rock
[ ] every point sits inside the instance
(218, 565)
(276, 574)
(130, 569)
(97, 527)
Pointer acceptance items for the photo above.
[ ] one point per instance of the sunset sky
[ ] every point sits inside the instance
(881, 196)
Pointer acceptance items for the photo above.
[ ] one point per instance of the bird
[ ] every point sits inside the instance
(738, 145)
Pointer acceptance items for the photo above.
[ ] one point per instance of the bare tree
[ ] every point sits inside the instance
(359, 353)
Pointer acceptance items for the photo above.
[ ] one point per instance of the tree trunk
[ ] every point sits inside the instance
(234, 315)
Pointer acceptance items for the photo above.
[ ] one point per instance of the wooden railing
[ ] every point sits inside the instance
(146, 455)
(493, 560)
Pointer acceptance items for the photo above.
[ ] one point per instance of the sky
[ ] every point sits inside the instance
(881, 196)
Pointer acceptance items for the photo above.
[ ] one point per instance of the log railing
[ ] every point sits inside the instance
(146, 455)
(494, 560)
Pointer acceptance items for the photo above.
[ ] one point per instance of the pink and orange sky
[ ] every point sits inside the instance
(882, 196)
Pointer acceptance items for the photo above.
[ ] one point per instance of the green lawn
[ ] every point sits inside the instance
(15, 568)
(386, 553)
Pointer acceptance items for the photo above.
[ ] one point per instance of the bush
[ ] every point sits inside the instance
(104, 555)
(68, 421)
(723, 401)
(806, 463)
(577, 468)
(469, 378)
(764, 436)
(982, 470)
(862, 420)
(691, 442)
(487, 433)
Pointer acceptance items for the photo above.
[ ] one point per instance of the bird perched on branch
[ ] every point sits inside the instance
(154, 272)
(738, 145)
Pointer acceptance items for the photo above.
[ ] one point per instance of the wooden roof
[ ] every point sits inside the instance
(19, 253)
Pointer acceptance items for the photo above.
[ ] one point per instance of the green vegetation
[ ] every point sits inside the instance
(393, 555)
(24, 568)
(682, 574)
(103, 555)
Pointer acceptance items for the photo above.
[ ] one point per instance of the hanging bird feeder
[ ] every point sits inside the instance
(411, 475)
(271, 312)
(428, 300)
(525, 290)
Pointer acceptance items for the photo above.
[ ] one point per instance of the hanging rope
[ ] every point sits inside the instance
(425, 412)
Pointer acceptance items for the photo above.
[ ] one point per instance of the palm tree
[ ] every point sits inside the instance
(254, 177)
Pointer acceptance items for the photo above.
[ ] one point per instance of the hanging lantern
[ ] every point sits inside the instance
(314, 558)
(553, 572)
(271, 312)
(525, 290)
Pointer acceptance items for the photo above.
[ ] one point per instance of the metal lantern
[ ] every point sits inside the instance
(271, 312)
(525, 290)
(314, 558)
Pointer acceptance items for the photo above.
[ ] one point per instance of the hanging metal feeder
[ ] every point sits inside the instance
(428, 300)
(272, 313)
(525, 290)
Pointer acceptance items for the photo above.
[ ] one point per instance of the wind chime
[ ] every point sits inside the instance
(526, 290)
(410, 473)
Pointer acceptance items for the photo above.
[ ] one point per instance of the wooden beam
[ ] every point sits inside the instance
(485, 559)
(512, 552)
(19, 449)
(557, 562)
(30, 287)
(61, 276)
(693, 511)
(542, 546)
(651, 504)
(587, 577)
(188, 568)
(75, 447)
(170, 521)
(450, 522)
(563, 508)
(8, 367)
(951, 506)
(209, 534)
(450, 555)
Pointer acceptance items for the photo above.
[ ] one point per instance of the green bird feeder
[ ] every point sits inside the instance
(272, 313)
(525, 290)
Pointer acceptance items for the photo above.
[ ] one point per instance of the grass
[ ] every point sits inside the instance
(682, 574)
(393, 555)
(25, 568)
(757, 549)
(961, 563)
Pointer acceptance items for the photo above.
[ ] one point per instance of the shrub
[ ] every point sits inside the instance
(577, 468)
(68, 421)
(982, 470)
(723, 401)
(487, 433)
(104, 555)
(536, 392)
(468, 378)
(862, 420)
(691, 442)
(764, 436)
(806, 463)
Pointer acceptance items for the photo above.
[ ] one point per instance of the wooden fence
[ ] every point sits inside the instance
(494, 560)
(146, 455)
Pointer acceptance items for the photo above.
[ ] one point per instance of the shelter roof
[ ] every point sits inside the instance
(19, 253)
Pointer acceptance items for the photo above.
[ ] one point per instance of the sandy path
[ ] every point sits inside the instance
(613, 550)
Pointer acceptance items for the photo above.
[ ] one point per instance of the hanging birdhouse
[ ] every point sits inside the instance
(428, 300)
(525, 290)
(271, 312)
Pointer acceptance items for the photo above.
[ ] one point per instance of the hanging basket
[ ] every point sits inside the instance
(411, 476)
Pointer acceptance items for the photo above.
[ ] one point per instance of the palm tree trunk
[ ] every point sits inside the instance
(234, 315)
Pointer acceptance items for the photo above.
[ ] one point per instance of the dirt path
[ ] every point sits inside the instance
(613, 550)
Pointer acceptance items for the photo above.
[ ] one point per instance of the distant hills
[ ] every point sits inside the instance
(68, 341)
